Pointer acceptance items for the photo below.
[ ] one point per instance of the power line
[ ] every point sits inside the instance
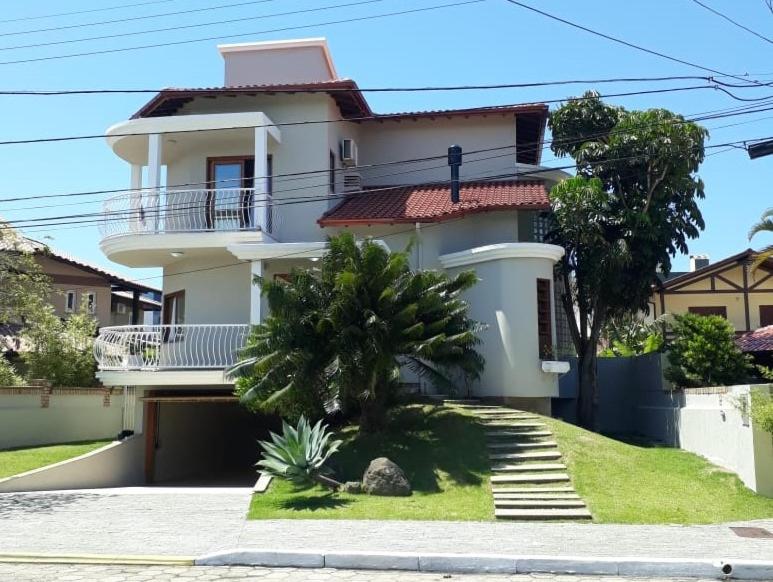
(730, 20)
(623, 42)
(132, 18)
(189, 26)
(91, 10)
(383, 116)
(240, 35)
(702, 116)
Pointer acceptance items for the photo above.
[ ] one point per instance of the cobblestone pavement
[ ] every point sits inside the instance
(78, 573)
(198, 521)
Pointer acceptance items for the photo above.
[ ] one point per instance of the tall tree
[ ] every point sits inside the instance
(24, 288)
(765, 224)
(632, 206)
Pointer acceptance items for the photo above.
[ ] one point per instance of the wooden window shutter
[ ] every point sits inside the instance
(544, 319)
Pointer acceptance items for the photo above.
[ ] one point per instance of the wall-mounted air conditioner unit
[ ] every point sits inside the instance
(348, 152)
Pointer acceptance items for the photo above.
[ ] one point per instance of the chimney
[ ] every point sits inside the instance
(304, 60)
(698, 262)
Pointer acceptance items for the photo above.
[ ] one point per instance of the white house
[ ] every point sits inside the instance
(250, 178)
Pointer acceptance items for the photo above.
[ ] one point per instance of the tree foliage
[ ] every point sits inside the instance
(60, 351)
(632, 206)
(630, 335)
(8, 374)
(764, 224)
(762, 409)
(339, 335)
(23, 285)
(703, 353)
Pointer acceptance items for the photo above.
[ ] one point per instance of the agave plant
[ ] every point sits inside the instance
(299, 454)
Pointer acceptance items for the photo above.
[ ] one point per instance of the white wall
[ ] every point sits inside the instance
(68, 418)
(713, 426)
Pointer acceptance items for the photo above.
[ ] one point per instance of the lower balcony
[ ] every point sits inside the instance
(168, 354)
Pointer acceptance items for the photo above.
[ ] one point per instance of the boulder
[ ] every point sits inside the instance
(383, 477)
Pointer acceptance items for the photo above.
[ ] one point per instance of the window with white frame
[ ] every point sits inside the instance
(91, 302)
(70, 301)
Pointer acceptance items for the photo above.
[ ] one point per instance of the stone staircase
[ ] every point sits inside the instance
(529, 481)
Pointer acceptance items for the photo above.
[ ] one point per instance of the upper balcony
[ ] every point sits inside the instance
(216, 191)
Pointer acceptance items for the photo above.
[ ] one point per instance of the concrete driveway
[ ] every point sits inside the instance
(131, 520)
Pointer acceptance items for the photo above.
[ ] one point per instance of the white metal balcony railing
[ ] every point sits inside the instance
(167, 211)
(169, 347)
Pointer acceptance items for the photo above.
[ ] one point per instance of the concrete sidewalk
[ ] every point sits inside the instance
(193, 522)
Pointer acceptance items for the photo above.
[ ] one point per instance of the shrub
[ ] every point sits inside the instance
(762, 410)
(299, 454)
(703, 353)
(630, 335)
(8, 374)
(61, 351)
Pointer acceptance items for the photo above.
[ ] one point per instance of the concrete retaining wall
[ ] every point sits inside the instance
(31, 416)
(118, 464)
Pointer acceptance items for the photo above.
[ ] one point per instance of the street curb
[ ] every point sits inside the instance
(720, 569)
(108, 559)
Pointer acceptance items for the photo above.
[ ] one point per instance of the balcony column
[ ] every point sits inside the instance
(260, 208)
(135, 197)
(155, 158)
(256, 270)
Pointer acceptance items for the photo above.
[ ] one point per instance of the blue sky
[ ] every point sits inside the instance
(483, 43)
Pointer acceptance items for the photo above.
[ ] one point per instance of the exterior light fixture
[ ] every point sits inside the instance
(177, 254)
(758, 150)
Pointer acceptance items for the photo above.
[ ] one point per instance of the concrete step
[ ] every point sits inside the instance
(531, 478)
(524, 467)
(495, 411)
(530, 456)
(542, 514)
(556, 496)
(514, 427)
(510, 446)
(533, 490)
(515, 435)
(545, 503)
(461, 402)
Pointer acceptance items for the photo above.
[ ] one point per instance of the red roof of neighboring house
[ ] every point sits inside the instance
(759, 340)
(432, 203)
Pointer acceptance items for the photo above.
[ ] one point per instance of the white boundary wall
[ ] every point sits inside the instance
(714, 424)
(31, 416)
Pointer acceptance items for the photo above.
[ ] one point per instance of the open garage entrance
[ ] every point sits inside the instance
(201, 439)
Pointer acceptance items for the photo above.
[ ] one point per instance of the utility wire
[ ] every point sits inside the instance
(188, 26)
(132, 18)
(734, 22)
(91, 10)
(240, 35)
(625, 42)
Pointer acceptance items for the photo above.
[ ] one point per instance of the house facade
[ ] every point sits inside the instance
(729, 288)
(250, 179)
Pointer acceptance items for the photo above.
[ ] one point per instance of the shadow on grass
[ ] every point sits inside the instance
(314, 502)
(423, 440)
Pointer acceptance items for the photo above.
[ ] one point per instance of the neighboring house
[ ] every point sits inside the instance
(729, 288)
(108, 296)
(258, 173)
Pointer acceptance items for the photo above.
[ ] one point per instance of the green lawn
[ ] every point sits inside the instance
(15, 461)
(625, 483)
(442, 452)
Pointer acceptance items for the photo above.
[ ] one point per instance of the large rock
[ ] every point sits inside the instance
(383, 477)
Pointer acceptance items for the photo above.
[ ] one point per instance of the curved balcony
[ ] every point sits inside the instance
(169, 347)
(142, 228)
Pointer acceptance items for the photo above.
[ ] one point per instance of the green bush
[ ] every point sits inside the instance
(8, 374)
(703, 353)
(762, 410)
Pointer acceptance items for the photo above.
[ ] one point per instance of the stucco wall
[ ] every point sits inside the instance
(118, 464)
(67, 418)
(57, 269)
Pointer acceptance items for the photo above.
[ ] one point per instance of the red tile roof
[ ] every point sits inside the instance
(432, 203)
(759, 340)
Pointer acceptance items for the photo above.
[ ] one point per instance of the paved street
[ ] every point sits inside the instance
(191, 522)
(78, 573)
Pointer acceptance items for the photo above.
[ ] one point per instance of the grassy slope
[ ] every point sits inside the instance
(15, 461)
(442, 452)
(624, 483)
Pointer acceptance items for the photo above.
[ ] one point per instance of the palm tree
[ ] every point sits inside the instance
(342, 333)
(765, 224)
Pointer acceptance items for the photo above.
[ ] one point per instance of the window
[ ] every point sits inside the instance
(720, 310)
(229, 196)
(91, 302)
(70, 301)
(173, 314)
(121, 308)
(544, 319)
(766, 315)
(332, 173)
